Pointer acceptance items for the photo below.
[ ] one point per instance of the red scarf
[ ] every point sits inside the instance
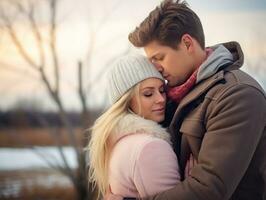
(179, 92)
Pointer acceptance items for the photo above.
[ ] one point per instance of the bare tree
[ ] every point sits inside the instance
(27, 10)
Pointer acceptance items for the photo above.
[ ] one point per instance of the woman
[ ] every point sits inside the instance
(130, 153)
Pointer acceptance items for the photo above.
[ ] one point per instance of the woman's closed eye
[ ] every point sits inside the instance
(148, 94)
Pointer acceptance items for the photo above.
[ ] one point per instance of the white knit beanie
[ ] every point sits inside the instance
(128, 71)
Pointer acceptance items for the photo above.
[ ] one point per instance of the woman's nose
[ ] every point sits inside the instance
(160, 98)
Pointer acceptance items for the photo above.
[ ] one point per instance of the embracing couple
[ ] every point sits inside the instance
(184, 121)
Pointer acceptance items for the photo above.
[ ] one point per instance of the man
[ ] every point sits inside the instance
(220, 119)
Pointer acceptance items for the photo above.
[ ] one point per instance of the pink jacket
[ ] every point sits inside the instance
(142, 161)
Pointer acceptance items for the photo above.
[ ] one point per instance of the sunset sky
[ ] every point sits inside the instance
(223, 21)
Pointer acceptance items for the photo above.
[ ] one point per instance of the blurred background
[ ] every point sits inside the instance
(53, 59)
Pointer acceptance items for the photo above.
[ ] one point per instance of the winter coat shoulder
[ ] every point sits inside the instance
(142, 161)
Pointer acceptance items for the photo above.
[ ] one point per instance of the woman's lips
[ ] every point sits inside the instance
(159, 109)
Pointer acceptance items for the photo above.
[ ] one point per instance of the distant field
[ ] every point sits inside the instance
(35, 184)
(38, 136)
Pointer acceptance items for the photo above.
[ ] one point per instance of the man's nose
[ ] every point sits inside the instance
(158, 67)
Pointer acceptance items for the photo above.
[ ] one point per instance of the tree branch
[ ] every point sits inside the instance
(16, 41)
(53, 6)
(82, 96)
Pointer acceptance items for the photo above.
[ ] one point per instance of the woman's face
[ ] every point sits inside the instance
(150, 100)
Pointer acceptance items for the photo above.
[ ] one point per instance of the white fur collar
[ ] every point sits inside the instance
(134, 124)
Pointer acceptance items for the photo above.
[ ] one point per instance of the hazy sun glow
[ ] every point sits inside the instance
(74, 40)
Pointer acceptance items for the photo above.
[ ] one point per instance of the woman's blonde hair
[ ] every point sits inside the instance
(99, 150)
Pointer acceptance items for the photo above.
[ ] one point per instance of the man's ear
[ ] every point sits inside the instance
(187, 40)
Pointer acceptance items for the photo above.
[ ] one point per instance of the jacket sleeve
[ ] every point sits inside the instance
(156, 168)
(234, 127)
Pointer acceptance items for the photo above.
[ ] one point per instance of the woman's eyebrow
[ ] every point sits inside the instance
(147, 88)
(151, 87)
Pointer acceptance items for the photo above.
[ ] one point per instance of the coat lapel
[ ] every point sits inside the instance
(189, 102)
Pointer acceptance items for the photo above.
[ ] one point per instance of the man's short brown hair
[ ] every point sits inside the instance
(167, 24)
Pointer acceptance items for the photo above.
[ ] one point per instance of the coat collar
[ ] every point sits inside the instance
(131, 124)
(194, 94)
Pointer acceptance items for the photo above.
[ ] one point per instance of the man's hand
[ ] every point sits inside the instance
(110, 196)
